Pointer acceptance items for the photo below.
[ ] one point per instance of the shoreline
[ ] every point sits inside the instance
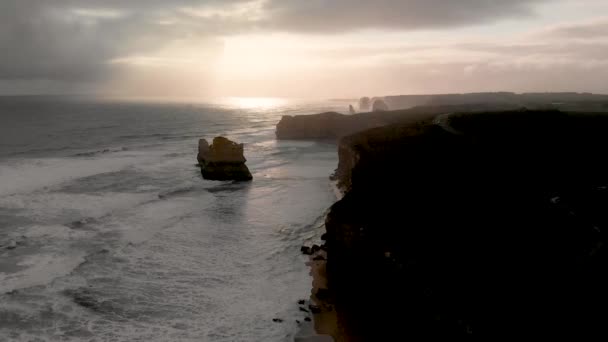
(324, 325)
(326, 322)
(336, 189)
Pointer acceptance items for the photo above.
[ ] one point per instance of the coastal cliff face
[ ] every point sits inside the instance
(324, 126)
(318, 126)
(222, 160)
(333, 126)
(493, 222)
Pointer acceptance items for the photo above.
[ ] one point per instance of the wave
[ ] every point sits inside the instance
(183, 137)
(228, 187)
(40, 269)
(45, 150)
(104, 151)
(83, 223)
(138, 136)
(28, 175)
(175, 192)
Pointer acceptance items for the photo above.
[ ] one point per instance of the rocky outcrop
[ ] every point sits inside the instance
(364, 104)
(494, 222)
(379, 106)
(222, 160)
(332, 126)
(325, 126)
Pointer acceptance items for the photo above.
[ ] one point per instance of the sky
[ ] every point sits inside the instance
(301, 48)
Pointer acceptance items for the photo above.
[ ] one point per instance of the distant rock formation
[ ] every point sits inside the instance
(563, 101)
(351, 109)
(379, 106)
(364, 104)
(222, 160)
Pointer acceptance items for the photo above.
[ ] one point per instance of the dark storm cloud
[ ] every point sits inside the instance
(74, 40)
(345, 15)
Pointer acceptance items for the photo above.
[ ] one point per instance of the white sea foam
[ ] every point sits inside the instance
(339, 193)
(64, 207)
(40, 269)
(28, 175)
(204, 261)
(142, 223)
(51, 232)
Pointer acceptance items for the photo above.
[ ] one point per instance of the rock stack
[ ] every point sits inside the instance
(222, 160)
(364, 104)
(379, 106)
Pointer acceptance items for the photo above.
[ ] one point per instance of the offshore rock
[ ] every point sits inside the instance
(223, 160)
(379, 106)
(364, 103)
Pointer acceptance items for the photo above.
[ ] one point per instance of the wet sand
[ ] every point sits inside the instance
(327, 325)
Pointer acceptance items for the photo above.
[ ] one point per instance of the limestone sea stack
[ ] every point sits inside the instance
(351, 109)
(364, 104)
(379, 106)
(222, 160)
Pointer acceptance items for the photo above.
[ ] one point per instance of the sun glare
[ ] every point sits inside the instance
(255, 102)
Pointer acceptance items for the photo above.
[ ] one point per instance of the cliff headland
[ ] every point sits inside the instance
(488, 221)
(333, 126)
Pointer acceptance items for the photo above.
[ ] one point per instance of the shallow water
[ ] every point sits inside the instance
(109, 233)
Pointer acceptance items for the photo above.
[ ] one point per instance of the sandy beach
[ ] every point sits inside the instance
(325, 324)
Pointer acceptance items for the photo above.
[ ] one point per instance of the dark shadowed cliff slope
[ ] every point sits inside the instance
(492, 223)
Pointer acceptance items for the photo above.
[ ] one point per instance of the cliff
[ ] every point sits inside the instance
(494, 222)
(569, 101)
(222, 160)
(321, 126)
(333, 126)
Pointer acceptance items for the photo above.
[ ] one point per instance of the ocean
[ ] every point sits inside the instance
(109, 233)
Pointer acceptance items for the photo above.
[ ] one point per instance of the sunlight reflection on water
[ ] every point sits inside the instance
(255, 102)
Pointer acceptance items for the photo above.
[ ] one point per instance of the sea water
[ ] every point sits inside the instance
(109, 233)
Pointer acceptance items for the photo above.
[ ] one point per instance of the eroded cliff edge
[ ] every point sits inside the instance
(333, 126)
(493, 222)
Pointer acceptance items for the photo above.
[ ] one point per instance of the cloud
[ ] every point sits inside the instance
(71, 40)
(323, 16)
(577, 51)
(594, 29)
(74, 40)
(59, 44)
